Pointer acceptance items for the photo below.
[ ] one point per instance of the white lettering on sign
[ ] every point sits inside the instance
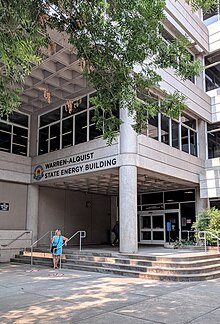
(46, 172)
(68, 161)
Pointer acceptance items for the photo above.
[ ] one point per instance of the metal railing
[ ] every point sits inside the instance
(82, 235)
(202, 235)
(188, 233)
(33, 244)
(17, 238)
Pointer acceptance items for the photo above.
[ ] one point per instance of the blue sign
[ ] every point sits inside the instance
(168, 226)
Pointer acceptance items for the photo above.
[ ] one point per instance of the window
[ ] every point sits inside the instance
(180, 134)
(188, 134)
(60, 128)
(213, 16)
(14, 134)
(153, 127)
(165, 129)
(213, 140)
(212, 76)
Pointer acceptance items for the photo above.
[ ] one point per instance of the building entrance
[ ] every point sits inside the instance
(153, 227)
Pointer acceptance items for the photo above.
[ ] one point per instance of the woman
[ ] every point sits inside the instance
(57, 242)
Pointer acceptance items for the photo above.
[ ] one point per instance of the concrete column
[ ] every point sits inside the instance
(114, 215)
(200, 78)
(32, 210)
(33, 134)
(128, 186)
(201, 203)
(202, 139)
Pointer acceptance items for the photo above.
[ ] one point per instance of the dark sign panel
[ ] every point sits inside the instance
(4, 206)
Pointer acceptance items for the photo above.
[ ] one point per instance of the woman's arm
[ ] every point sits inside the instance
(65, 240)
(52, 240)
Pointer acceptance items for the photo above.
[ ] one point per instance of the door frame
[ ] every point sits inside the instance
(157, 213)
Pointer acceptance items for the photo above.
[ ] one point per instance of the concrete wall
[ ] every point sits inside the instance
(16, 195)
(162, 158)
(197, 100)
(214, 36)
(188, 21)
(15, 168)
(210, 179)
(72, 211)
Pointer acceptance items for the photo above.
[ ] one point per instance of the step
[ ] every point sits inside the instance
(148, 276)
(146, 263)
(164, 268)
(177, 271)
(182, 257)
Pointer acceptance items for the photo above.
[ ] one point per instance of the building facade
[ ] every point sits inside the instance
(57, 171)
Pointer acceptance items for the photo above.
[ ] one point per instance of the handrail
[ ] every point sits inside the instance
(188, 233)
(82, 235)
(15, 239)
(204, 237)
(32, 245)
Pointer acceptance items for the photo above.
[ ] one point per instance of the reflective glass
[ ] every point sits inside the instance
(67, 132)
(20, 141)
(5, 137)
(50, 117)
(55, 137)
(175, 134)
(43, 140)
(185, 139)
(165, 130)
(81, 128)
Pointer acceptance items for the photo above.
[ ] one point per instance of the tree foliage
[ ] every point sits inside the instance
(113, 38)
(208, 220)
(21, 28)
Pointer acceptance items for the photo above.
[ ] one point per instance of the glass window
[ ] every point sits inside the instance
(20, 119)
(93, 132)
(185, 139)
(5, 137)
(20, 140)
(188, 121)
(213, 16)
(81, 128)
(67, 132)
(50, 117)
(175, 134)
(213, 140)
(179, 195)
(55, 137)
(153, 198)
(153, 127)
(165, 130)
(193, 143)
(43, 140)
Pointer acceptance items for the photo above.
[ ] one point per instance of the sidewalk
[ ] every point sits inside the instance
(44, 296)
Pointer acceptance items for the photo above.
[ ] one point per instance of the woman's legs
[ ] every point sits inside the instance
(54, 261)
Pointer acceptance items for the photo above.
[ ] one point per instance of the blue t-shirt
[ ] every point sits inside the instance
(58, 242)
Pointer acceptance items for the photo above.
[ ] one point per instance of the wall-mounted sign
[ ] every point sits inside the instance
(4, 206)
(77, 164)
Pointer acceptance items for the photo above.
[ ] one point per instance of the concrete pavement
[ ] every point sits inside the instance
(44, 296)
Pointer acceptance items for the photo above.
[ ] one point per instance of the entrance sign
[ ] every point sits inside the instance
(77, 164)
(4, 206)
(168, 226)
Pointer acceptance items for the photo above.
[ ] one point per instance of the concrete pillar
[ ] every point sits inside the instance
(202, 139)
(33, 134)
(32, 210)
(114, 215)
(201, 203)
(128, 185)
(200, 78)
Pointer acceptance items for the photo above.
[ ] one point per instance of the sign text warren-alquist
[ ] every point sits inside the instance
(68, 161)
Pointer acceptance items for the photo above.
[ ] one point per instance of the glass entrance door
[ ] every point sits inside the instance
(152, 228)
(175, 232)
